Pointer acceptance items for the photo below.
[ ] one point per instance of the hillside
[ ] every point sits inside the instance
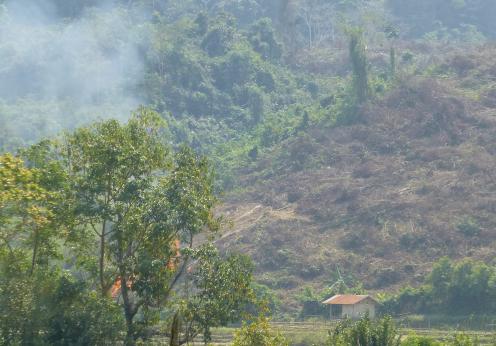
(411, 182)
(264, 89)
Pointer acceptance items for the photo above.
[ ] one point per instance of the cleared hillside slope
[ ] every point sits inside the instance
(383, 198)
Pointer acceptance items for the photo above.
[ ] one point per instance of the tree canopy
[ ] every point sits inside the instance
(113, 204)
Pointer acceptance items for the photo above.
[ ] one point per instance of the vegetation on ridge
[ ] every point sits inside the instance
(355, 133)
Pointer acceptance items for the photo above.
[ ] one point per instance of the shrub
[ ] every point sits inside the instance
(365, 332)
(415, 340)
(353, 241)
(251, 97)
(469, 227)
(262, 37)
(258, 333)
(359, 65)
(55, 309)
(464, 340)
(466, 287)
(309, 338)
(219, 39)
(82, 317)
(312, 303)
(236, 69)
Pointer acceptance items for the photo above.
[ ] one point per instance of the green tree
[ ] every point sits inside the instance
(30, 280)
(145, 205)
(359, 65)
(466, 287)
(80, 316)
(26, 212)
(220, 36)
(470, 289)
(392, 34)
(222, 291)
(109, 165)
(440, 279)
(263, 39)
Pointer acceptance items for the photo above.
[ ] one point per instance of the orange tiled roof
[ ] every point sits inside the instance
(346, 299)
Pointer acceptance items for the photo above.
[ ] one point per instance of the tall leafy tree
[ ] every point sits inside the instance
(222, 288)
(23, 220)
(25, 212)
(143, 205)
(109, 165)
(38, 307)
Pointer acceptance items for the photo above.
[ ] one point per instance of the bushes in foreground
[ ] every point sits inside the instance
(56, 309)
(365, 332)
(258, 333)
(383, 332)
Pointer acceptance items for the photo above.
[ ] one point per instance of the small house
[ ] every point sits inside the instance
(351, 306)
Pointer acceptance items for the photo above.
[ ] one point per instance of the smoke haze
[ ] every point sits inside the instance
(65, 71)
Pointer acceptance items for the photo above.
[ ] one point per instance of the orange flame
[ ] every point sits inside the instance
(172, 264)
(116, 287)
(173, 261)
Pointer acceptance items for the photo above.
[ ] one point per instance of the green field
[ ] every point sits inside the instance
(315, 333)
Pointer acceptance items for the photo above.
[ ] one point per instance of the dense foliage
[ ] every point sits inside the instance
(465, 287)
(97, 229)
(365, 332)
(247, 83)
(40, 303)
(383, 332)
(218, 70)
(258, 333)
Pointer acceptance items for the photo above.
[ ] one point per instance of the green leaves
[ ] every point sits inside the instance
(223, 289)
(262, 36)
(465, 287)
(128, 209)
(112, 168)
(142, 205)
(258, 333)
(52, 308)
(365, 332)
(18, 183)
(27, 212)
(359, 65)
(189, 193)
(80, 316)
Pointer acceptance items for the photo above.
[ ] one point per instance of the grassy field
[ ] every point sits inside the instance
(315, 333)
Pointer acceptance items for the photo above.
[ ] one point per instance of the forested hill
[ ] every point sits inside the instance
(380, 170)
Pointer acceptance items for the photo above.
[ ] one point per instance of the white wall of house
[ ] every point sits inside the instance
(359, 310)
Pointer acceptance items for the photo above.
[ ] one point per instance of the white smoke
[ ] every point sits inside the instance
(65, 72)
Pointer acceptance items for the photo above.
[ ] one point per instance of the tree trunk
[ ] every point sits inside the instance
(35, 252)
(128, 310)
(102, 260)
(175, 329)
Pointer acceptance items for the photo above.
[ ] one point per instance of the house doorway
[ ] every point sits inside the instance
(336, 311)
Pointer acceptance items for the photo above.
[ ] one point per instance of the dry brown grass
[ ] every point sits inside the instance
(382, 198)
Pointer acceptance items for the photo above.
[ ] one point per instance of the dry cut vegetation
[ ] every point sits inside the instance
(410, 182)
